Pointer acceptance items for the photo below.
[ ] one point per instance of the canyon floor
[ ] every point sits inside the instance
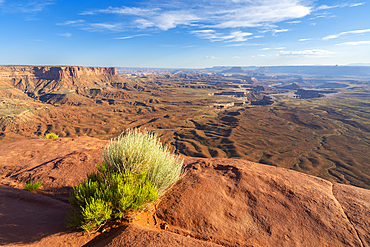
(220, 202)
(326, 137)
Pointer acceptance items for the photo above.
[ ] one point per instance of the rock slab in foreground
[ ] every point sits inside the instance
(28, 219)
(224, 202)
(240, 203)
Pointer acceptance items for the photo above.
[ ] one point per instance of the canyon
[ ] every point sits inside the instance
(262, 171)
(324, 137)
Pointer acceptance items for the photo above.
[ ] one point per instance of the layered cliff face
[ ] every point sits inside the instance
(40, 80)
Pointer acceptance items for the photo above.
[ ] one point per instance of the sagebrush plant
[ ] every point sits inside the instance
(136, 151)
(51, 136)
(33, 186)
(136, 170)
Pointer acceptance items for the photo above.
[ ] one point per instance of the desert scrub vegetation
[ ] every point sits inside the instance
(33, 186)
(51, 136)
(136, 170)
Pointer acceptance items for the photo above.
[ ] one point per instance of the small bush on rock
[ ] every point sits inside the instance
(51, 136)
(136, 170)
(32, 186)
(137, 151)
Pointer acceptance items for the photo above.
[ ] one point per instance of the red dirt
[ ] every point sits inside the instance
(223, 202)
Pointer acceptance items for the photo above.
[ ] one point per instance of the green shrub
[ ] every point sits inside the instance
(33, 186)
(51, 136)
(137, 151)
(108, 195)
(136, 170)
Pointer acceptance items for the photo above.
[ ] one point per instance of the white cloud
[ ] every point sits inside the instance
(132, 36)
(96, 27)
(235, 57)
(67, 35)
(87, 13)
(355, 43)
(142, 23)
(324, 6)
(274, 32)
(303, 40)
(334, 36)
(128, 11)
(77, 22)
(26, 6)
(210, 57)
(327, 7)
(356, 4)
(236, 36)
(170, 20)
(304, 53)
(276, 48)
(169, 14)
(294, 22)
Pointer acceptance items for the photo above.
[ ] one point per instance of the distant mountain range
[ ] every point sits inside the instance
(350, 70)
(319, 70)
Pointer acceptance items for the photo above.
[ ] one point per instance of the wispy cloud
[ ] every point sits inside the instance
(305, 53)
(173, 19)
(304, 40)
(324, 6)
(274, 32)
(28, 6)
(268, 48)
(334, 36)
(243, 44)
(211, 57)
(101, 27)
(128, 11)
(356, 4)
(356, 43)
(236, 36)
(294, 22)
(132, 36)
(67, 35)
(321, 7)
(67, 23)
(212, 14)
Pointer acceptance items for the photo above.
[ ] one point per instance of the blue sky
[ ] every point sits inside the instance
(184, 33)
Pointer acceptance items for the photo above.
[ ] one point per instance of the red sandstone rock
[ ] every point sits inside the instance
(240, 203)
(28, 219)
(224, 202)
(49, 79)
(61, 163)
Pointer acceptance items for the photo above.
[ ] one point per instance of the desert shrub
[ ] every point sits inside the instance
(138, 151)
(51, 136)
(33, 186)
(109, 194)
(136, 170)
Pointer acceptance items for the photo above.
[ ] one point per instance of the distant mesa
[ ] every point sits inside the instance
(291, 86)
(45, 79)
(234, 70)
